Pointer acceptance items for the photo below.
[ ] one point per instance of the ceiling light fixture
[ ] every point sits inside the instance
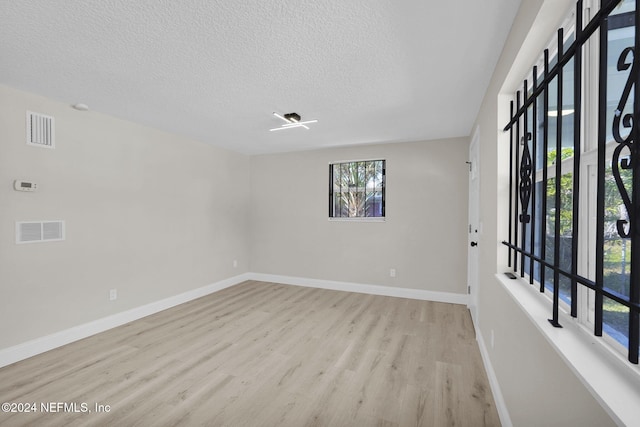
(292, 120)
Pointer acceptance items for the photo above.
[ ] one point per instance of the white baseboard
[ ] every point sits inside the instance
(498, 398)
(40, 345)
(420, 294)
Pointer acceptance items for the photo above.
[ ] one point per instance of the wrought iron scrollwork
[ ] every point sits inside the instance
(525, 179)
(625, 61)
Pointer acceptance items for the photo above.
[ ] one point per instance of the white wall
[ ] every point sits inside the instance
(538, 386)
(423, 237)
(148, 213)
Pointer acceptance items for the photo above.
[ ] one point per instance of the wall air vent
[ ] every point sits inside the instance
(40, 130)
(39, 231)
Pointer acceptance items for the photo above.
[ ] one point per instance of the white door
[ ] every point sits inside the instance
(474, 224)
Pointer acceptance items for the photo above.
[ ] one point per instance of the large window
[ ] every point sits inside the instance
(575, 175)
(356, 189)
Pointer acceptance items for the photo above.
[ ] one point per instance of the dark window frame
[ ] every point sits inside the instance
(375, 209)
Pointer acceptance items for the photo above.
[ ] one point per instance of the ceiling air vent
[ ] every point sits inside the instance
(39, 231)
(40, 130)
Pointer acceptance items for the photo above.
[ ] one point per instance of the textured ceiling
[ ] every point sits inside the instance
(369, 71)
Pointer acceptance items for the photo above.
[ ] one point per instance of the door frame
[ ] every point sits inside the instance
(475, 225)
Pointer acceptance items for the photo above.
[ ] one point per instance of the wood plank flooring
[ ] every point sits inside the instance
(264, 354)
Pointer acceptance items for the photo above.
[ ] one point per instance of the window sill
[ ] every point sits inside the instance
(610, 378)
(358, 219)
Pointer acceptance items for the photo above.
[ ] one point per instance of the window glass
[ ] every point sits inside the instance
(616, 259)
(546, 230)
(357, 189)
(617, 250)
(566, 229)
(619, 37)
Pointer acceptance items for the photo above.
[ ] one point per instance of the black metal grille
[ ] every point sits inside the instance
(545, 239)
(357, 189)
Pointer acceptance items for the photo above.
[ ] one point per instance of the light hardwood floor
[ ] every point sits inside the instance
(264, 354)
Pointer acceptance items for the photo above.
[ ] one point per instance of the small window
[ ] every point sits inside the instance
(356, 189)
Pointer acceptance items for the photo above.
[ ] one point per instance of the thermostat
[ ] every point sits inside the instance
(24, 185)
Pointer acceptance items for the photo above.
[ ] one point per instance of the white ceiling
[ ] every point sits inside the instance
(369, 71)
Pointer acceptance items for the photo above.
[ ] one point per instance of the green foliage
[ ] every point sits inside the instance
(612, 198)
(565, 153)
(566, 195)
(613, 201)
(356, 182)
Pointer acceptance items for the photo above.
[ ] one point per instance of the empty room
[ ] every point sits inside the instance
(319, 213)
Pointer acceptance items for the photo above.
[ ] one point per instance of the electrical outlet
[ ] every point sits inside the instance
(113, 294)
(392, 272)
(235, 263)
